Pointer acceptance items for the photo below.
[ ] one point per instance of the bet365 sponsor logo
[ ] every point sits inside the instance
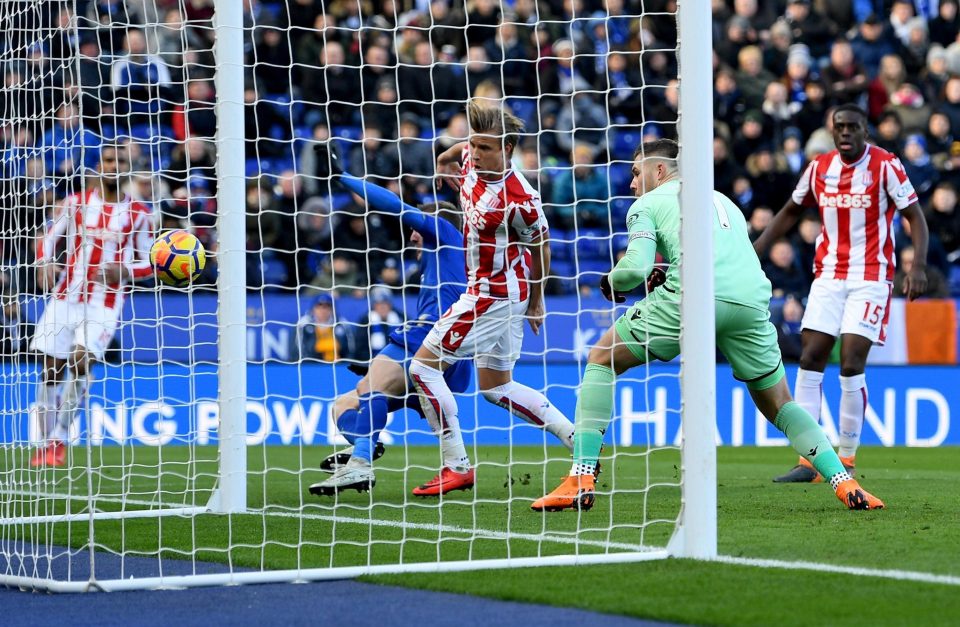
(845, 201)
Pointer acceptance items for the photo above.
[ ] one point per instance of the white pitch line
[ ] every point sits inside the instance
(902, 575)
(372, 522)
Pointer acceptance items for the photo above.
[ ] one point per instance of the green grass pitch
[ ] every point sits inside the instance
(920, 530)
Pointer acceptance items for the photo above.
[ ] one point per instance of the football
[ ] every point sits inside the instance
(178, 258)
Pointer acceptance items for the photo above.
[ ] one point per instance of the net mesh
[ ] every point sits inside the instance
(382, 87)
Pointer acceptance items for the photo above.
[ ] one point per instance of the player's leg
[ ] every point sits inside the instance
(749, 342)
(647, 330)
(864, 320)
(821, 326)
(495, 381)
(53, 338)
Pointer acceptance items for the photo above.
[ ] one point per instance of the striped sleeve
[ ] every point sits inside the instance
(55, 230)
(140, 267)
(897, 185)
(803, 193)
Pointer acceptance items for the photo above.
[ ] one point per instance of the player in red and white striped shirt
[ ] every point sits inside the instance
(857, 188)
(107, 237)
(507, 247)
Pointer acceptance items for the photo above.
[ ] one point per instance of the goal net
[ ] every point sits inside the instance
(190, 445)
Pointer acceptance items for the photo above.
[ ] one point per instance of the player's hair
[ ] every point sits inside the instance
(852, 108)
(486, 118)
(665, 149)
(446, 210)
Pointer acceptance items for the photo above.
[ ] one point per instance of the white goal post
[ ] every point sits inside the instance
(231, 507)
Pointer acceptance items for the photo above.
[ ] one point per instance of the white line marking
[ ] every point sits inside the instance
(902, 575)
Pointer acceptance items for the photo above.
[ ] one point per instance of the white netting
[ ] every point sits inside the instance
(383, 86)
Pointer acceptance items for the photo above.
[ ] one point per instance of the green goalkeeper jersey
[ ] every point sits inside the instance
(653, 223)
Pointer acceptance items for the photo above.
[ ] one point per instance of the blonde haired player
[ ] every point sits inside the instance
(507, 255)
(107, 237)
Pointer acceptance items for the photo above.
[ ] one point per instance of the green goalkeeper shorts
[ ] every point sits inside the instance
(745, 336)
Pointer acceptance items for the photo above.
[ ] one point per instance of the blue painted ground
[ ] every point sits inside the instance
(332, 602)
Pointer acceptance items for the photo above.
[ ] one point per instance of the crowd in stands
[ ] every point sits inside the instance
(383, 84)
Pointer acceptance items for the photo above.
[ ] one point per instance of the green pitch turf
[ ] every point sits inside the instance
(757, 519)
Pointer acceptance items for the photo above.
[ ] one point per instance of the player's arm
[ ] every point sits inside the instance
(915, 283)
(539, 268)
(448, 165)
(380, 199)
(135, 261)
(47, 246)
(633, 269)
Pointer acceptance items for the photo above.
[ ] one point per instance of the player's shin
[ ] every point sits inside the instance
(807, 438)
(347, 424)
(808, 391)
(74, 393)
(594, 408)
(533, 407)
(853, 404)
(370, 422)
(46, 408)
(440, 409)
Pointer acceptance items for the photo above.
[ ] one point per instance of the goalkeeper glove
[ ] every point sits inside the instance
(328, 162)
(608, 292)
(656, 278)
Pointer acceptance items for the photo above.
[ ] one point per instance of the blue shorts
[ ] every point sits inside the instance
(403, 344)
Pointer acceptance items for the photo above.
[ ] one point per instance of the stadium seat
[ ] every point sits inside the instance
(955, 280)
(593, 244)
(624, 143)
(523, 108)
(274, 271)
(562, 246)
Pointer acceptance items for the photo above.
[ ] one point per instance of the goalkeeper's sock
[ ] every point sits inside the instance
(532, 406)
(347, 425)
(807, 438)
(853, 405)
(47, 408)
(441, 411)
(74, 393)
(594, 408)
(371, 420)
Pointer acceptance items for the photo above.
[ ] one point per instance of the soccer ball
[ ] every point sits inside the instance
(177, 257)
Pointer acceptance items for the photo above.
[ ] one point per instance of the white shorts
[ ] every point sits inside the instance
(489, 330)
(838, 307)
(65, 325)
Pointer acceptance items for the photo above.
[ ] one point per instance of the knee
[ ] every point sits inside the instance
(812, 362)
(601, 356)
(851, 370)
(343, 404)
(494, 394)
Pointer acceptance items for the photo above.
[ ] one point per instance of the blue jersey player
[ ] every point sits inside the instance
(362, 413)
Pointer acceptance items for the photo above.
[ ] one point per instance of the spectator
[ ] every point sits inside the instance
(890, 132)
(908, 103)
(914, 53)
(318, 336)
(937, 286)
(334, 87)
(815, 110)
(478, 69)
(725, 169)
(738, 34)
(314, 236)
(750, 136)
(110, 19)
(581, 120)
(536, 175)
(871, 44)
(743, 193)
(770, 177)
(793, 151)
(483, 16)
(370, 157)
(939, 138)
(377, 65)
(798, 72)
(943, 218)
(936, 74)
(514, 58)
(455, 132)
(197, 117)
(581, 193)
(447, 25)
(779, 111)
(946, 26)
(271, 59)
(918, 166)
(789, 329)
(951, 101)
(141, 83)
(805, 242)
(845, 79)
(784, 272)
(809, 26)
(777, 52)
(361, 238)
(568, 74)
(377, 324)
(69, 147)
(307, 163)
(728, 105)
(413, 156)
(891, 77)
(625, 96)
(264, 229)
(193, 158)
(901, 13)
(760, 218)
(381, 113)
(752, 77)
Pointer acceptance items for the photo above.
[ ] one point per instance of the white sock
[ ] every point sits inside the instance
(579, 469)
(533, 407)
(74, 392)
(440, 408)
(808, 392)
(47, 408)
(853, 405)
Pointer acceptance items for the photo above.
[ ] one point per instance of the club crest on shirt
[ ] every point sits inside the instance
(867, 178)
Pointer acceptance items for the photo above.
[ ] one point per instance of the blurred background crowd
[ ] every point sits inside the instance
(383, 83)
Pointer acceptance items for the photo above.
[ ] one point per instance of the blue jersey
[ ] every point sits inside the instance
(444, 275)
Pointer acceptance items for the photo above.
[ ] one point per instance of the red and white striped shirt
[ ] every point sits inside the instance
(498, 218)
(857, 203)
(97, 233)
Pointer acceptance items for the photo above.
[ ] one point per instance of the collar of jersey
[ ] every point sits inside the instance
(866, 151)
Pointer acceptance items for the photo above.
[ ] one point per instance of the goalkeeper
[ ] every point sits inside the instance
(362, 413)
(651, 329)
